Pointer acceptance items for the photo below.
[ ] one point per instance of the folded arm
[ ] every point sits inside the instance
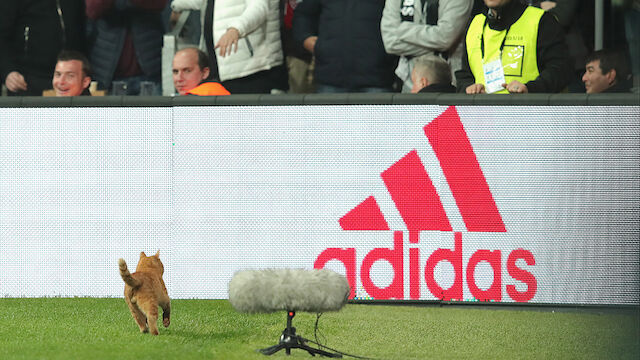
(411, 38)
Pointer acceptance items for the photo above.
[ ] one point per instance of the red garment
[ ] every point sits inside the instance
(96, 8)
(128, 64)
(209, 89)
(289, 7)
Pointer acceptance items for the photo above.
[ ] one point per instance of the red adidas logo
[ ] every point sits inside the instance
(415, 196)
(421, 209)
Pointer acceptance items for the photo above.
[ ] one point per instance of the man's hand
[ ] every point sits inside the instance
(475, 89)
(15, 82)
(173, 18)
(516, 87)
(310, 43)
(228, 41)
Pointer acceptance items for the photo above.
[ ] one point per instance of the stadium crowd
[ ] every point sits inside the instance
(66, 47)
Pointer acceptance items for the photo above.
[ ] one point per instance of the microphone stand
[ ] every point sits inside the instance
(289, 340)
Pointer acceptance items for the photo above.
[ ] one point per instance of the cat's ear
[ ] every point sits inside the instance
(157, 254)
(142, 255)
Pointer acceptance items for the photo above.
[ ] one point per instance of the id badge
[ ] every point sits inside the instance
(493, 76)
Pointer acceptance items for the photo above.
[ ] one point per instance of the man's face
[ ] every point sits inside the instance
(68, 78)
(492, 4)
(186, 71)
(594, 80)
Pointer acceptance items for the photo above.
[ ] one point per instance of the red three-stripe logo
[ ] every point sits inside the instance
(416, 198)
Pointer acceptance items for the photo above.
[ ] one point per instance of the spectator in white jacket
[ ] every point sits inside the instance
(412, 28)
(242, 39)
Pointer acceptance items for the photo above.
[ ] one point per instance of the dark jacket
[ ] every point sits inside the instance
(552, 56)
(621, 86)
(349, 52)
(31, 36)
(111, 22)
(438, 88)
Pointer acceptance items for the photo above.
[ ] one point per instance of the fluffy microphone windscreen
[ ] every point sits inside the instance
(270, 290)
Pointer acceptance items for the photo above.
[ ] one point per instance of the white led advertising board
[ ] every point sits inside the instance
(410, 202)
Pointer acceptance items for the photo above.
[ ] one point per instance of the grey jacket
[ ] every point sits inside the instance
(410, 39)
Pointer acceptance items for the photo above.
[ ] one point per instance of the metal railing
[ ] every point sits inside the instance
(564, 99)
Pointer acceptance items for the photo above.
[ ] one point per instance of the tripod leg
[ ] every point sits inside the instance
(321, 352)
(272, 349)
(289, 340)
(311, 350)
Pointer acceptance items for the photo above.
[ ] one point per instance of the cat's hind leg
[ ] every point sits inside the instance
(166, 313)
(151, 310)
(138, 316)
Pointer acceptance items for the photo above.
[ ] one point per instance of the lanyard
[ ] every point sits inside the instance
(482, 38)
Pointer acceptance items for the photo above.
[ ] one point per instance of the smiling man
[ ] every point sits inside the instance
(190, 74)
(71, 75)
(606, 71)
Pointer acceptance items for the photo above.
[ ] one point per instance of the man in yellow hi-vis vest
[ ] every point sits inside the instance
(514, 48)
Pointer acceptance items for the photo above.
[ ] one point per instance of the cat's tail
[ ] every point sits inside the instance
(126, 275)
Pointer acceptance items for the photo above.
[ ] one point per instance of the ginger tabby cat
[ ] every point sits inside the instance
(144, 291)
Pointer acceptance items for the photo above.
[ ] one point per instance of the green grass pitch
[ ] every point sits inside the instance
(89, 328)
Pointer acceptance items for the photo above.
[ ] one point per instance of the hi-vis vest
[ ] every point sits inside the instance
(209, 89)
(519, 53)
